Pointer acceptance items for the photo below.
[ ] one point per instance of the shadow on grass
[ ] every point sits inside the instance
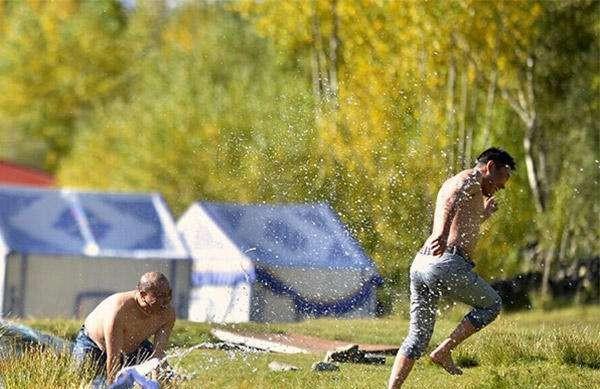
(579, 352)
(466, 360)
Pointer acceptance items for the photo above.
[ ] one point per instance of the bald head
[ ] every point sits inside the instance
(153, 281)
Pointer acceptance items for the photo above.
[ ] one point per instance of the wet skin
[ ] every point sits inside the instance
(464, 201)
(122, 321)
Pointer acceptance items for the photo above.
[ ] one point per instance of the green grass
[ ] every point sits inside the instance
(540, 349)
(42, 369)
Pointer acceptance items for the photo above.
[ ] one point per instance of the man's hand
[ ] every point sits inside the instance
(489, 206)
(438, 245)
(161, 337)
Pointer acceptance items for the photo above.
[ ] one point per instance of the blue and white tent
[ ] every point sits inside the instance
(275, 263)
(62, 251)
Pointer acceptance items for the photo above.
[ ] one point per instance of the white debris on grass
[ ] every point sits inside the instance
(267, 345)
(281, 366)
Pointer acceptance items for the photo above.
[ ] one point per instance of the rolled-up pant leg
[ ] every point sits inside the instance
(468, 287)
(423, 306)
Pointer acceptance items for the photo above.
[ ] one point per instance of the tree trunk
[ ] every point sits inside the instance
(489, 108)
(548, 259)
(315, 82)
(451, 114)
(524, 106)
(543, 178)
(532, 169)
(422, 67)
(317, 63)
(564, 243)
(471, 125)
(462, 123)
(334, 55)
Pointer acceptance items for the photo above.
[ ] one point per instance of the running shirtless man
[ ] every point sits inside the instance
(115, 334)
(443, 267)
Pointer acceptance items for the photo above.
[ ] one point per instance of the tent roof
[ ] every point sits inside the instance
(291, 235)
(14, 174)
(69, 222)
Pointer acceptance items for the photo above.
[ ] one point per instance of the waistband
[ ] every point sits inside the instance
(454, 250)
(84, 332)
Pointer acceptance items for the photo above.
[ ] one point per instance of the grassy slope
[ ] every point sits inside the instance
(556, 349)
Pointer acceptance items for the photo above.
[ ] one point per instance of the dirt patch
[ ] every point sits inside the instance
(314, 344)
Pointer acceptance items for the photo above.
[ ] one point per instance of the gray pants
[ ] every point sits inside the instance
(452, 277)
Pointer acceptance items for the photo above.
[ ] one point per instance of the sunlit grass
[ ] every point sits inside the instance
(539, 349)
(42, 369)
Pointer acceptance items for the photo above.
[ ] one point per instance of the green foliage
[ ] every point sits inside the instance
(571, 225)
(213, 113)
(54, 68)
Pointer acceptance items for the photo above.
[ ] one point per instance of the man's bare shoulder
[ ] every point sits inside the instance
(116, 302)
(109, 310)
(465, 181)
(121, 298)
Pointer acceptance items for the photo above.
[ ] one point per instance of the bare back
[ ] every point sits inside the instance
(464, 230)
(131, 325)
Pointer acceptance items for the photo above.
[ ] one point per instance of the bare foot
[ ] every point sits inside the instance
(444, 359)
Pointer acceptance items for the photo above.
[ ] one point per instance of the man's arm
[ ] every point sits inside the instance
(114, 343)
(161, 337)
(455, 199)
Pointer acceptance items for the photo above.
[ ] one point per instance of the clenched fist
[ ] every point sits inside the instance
(489, 206)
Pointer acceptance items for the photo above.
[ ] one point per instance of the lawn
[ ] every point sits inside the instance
(540, 349)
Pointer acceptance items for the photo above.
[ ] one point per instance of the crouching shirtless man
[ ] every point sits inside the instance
(443, 267)
(116, 333)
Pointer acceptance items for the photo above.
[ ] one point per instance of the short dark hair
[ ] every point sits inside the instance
(497, 155)
(153, 281)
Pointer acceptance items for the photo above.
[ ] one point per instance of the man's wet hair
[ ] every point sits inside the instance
(152, 281)
(497, 155)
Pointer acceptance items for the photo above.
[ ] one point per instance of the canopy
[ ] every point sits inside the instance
(69, 222)
(232, 241)
(297, 235)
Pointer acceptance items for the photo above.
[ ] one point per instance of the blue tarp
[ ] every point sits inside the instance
(65, 222)
(312, 307)
(16, 338)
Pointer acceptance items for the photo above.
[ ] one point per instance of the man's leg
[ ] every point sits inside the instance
(423, 302)
(87, 355)
(467, 287)
(402, 367)
(441, 355)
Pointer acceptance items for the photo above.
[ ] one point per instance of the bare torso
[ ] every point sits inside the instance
(464, 230)
(124, 308)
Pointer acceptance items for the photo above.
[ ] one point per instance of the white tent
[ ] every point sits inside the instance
(275, 263)
(62, 251)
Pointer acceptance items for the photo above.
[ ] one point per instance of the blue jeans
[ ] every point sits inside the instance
(85, 349)
(450, 276)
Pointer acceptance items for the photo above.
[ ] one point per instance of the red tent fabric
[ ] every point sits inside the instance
(14, 174)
